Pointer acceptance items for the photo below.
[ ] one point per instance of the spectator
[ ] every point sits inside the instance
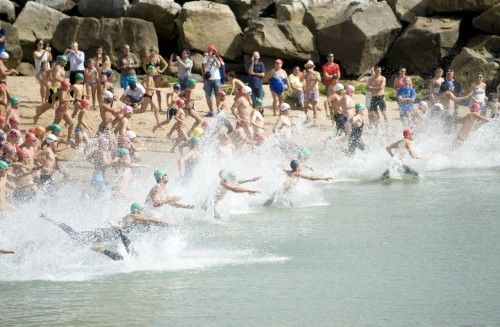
(133, 94)
(211, 76)
(330, 69)
(128, 64)
(184, 66)
(40, 55)
(296, 86)
(76, 60)
(256, 70)
(406, 96)
(277, 84)
(160, 64)
(399, 81)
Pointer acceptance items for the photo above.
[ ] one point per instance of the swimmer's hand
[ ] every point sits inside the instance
(328, 179)
(115, 226)
(253, 192)
(256, 179)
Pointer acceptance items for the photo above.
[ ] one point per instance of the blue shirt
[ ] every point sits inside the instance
(76, 61)
(256, 81)
(406, 92)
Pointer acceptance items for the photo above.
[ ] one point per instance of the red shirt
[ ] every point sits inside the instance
(330, 69)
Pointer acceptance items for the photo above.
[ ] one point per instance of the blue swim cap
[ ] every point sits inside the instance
(447, 85)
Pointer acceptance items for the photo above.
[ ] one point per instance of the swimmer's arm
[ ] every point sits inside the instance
(484, 119)
(236, 189)
(176, 204)
(277, 126)
(243, 181)
(314, 178)
(411, 152)
(150, 220)
(233, 109)
(390, 147)
(6, 251)
(84, 124)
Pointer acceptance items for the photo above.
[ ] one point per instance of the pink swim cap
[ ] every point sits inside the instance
(14, 120)
(475, 107)
(423, 106)
(123, 140)
(349, 89)
(31, 137)
(84, 103)
(407, 132)
(127, 110)
(259, 138)
(205, 124)
(180, 103)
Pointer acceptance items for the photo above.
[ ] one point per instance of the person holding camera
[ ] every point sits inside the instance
(184, 66)
(76, 60)
(211, 76)
(256, 70)
(40, 55)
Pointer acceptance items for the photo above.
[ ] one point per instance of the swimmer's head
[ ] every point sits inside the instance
(15, 133)
(4, 165)
(259, 138)
(247, 90)
(221, 94)
(180, 103)
(194, 141)
(14, 120)
(108, 95)
(294, 165)
(39, 131)
(447, 85)
(14, 101)
(198, 131)
(55, 128)
(79, 77)
(51, 139)
(136, 208)
(2, 119)
(259, 102)
(284, 106)
(230, 175)
(22, 154)
(191, 83)
(122, 152)
(438, 107)
(177, 86)
(65, 85)
(205, 124)
(359, 107)
(408, 133)
(339, 87)
(123, 141)
(84, 103)
(159, 175)
(131, 135)
(61, 59)
(349, 89)
(151, 69)
(31, 137)
(475, 107)
(423, 106)
(127, 110)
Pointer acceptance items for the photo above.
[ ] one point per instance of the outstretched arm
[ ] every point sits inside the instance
(236, 189)
(411, 151)
(315, 178)
(6, 251)
(243, 181)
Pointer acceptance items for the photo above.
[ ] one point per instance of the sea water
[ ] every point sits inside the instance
(353, 252)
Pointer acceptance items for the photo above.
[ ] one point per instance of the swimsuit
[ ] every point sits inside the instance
(355, 141)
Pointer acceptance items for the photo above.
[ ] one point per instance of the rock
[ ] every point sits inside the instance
(408, 10)
(197, 59)
(469, 62)
(12, 45)
(36, 21)
(201, 23)
(246, 10)
(360, 40)
(285, 40)
(318, 15)
(292, 10)
(110, 33)
(7, 10)
(60, 5)
(26, 69)
(103, 8)
(424, 43)
(161, 13)
(488, 21)
(452, 6)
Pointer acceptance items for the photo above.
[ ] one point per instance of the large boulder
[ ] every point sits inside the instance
(61, 5)
(408, 10)
(320, 14)
(424, 43)
(36, 21)
(201, 23)
(161, 13)
(103, 8)
(286, 40)
(361, 39)
(26, 69)
(12, 45)
(488, 21)
(110, 33)
(295, 10)
(246, 10)
(7, 10)
(451, 6)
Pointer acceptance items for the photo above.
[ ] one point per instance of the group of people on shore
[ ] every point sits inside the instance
(29, 158)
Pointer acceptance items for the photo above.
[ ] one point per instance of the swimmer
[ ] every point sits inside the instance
(356, 137)
(293, 176)
(99, 158)
(158, 197)
(399, 149)
(469, 122)
(283, 122)
(78, 91)
(242, 110)
(171, 98)
(82, 126)
(179, 126)
(6, 251)
(4, 184)
(188, 160)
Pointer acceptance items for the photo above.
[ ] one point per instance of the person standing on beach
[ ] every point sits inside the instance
(76, 60)
(376, 87)
(330, 68)
(184, 66)
(406, 96)
(128, 64)
(256, 70)
(311, 88)
(277, 84)
(211, 77)
(40, 55)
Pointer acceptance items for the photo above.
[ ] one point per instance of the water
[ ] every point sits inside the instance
(354, 252)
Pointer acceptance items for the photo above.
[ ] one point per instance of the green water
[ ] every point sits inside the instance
(402, 254)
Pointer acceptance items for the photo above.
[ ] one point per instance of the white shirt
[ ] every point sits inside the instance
(211, 65)
(76, 61)
(135, 94)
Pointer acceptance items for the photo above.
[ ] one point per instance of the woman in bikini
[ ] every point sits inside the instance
(91, 81)
(435, 85)
(156, 60)
(103, 65)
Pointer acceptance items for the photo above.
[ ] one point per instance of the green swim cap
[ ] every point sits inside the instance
(359, 106)
(191, 82)
(259, 101)
(79, 77)
(136, 207)
(151, 68)
(304, 153)
(3, 165)
(230, 175)
(159, 174)
(61, 58)
(195, 141)
(122, 152)
(55, 128)
(14, 100)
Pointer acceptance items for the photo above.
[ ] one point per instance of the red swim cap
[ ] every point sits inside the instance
(84, 103)
(180, 103)
(22, 153)
(475, 107)
(407, 132)
(2, 119)
(31, 137)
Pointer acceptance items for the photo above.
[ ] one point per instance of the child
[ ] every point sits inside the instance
(171, 99)
(78, 90)
(44, 81)
(81, 125)
(179, 125)
(91, 81)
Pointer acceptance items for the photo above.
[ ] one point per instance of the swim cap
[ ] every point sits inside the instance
(9, 148)
(223, 137)
(122, 152)
(475, 107)
(2, 136)
(3, 165)
(127, 110)
(195, 141)
(284, 107)
(51, 138)
(259, 101)
(259, 138)
(338, 87)
(198, 131)
(407, 132)
(84, 103)
(177, 86)
(31, 137)
(55, 128)
(158, 174)
(247, 89)
(151, 69)
(22, 153)
(15, 133)
(447, 85)
(422, 105)
(205, 124)
(304, 153)
(180, 103)
(136, 207)
(14, 120)
(294, 164)
(359, 106)
(350, 88)
(79, 77)
(131, 135)
(438, 106)
(191, 82)
(61, 58)
(65, 84)
(221, 94)
(39, 131)
(230, 175)
(123, 141)
(2, 119)
(4, 55)
(14, 100)
(107, 95)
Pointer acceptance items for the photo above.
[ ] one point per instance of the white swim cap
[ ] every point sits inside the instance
(131, 135)
(108, 95)
(51, 138)
(338, 87)
(247, 89)
(4, 55)
(438, 106)
(284, 107)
